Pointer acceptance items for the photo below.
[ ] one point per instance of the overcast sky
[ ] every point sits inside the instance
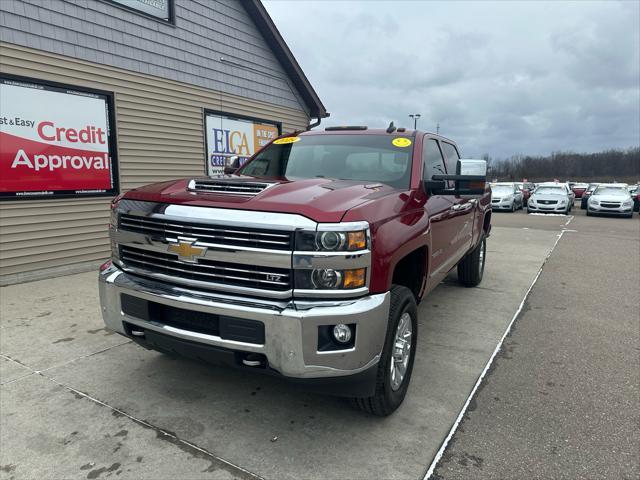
(500, 77)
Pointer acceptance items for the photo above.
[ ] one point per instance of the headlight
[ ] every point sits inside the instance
(563, 201)
(330, 279)
(113, 218)
(113, 224)
(627, 203)
(593, 201)
(331, 241)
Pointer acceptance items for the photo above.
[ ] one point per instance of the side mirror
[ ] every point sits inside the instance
(231, 164)
(472, 168)
(470, 178)
(435, 187)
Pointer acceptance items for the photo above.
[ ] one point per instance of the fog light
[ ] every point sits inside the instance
(342, 333)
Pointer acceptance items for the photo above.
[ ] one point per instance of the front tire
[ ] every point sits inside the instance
(398, 354)
(471, 267)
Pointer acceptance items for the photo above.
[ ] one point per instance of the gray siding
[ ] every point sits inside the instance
(205, 30)
(160, 136)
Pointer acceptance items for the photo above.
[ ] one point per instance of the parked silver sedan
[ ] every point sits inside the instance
(611, 199)
(506, 196)
(550, 198)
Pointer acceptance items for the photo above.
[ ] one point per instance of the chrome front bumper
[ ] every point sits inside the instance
(291, 327)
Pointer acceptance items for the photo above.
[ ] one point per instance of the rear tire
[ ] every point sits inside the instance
(390, 392)
(471, 267)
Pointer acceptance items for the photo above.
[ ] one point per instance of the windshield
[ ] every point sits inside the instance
(551, 190)
(365, 158)
(611, 191)
(502, 189)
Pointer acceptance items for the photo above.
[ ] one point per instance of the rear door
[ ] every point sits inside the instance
(462, 210)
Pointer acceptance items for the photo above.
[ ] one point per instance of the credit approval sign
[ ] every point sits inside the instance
(227, 136)
(54, 141)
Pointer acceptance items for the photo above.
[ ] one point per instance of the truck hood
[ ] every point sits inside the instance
(320, 199)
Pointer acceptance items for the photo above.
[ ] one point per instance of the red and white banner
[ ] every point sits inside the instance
(53, 141)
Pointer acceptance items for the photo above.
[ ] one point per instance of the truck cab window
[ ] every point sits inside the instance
(433, 162)
(452, 157)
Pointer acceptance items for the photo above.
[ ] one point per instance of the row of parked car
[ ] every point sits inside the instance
(558, 197)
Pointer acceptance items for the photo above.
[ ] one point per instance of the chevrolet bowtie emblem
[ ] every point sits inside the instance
(186, 251)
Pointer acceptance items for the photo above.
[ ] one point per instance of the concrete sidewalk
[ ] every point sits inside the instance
(80, 402)
(563, 396)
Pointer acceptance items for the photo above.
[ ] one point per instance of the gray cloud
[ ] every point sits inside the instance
(499, 77)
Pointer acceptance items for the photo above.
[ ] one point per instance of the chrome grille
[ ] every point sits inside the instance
(547, 202)
(233, 187)
(610, 204)
(205, 233)
(205, 270)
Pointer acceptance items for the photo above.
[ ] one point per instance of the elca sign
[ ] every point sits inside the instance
(227, 137)
(54, 141)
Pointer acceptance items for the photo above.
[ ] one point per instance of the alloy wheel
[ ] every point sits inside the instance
(401, 351)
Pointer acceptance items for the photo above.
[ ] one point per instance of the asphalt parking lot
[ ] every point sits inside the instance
(80, 402)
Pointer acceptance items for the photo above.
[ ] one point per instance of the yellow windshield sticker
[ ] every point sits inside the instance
(401, 142)
(285, 140)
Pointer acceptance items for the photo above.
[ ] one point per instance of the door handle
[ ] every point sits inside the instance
(462, 207)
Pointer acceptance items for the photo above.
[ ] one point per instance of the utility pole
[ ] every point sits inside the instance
(438, 128)
(415, 117)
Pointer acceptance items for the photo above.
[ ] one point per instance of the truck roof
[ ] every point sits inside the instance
(361, 130)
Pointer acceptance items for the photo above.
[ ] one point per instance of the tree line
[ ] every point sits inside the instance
(607, 166)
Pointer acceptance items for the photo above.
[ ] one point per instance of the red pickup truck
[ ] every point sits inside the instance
(308, 262)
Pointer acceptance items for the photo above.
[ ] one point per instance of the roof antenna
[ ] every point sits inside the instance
(391, 128)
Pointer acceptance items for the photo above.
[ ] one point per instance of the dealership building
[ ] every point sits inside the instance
(101, 96)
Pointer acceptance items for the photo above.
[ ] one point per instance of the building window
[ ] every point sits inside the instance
(159, 9)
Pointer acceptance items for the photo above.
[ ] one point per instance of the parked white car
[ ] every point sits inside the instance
(506, 196)
(550, 198)
(611, 199)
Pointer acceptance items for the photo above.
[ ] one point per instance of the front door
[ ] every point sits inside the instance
(439, 210)
(462, 211)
